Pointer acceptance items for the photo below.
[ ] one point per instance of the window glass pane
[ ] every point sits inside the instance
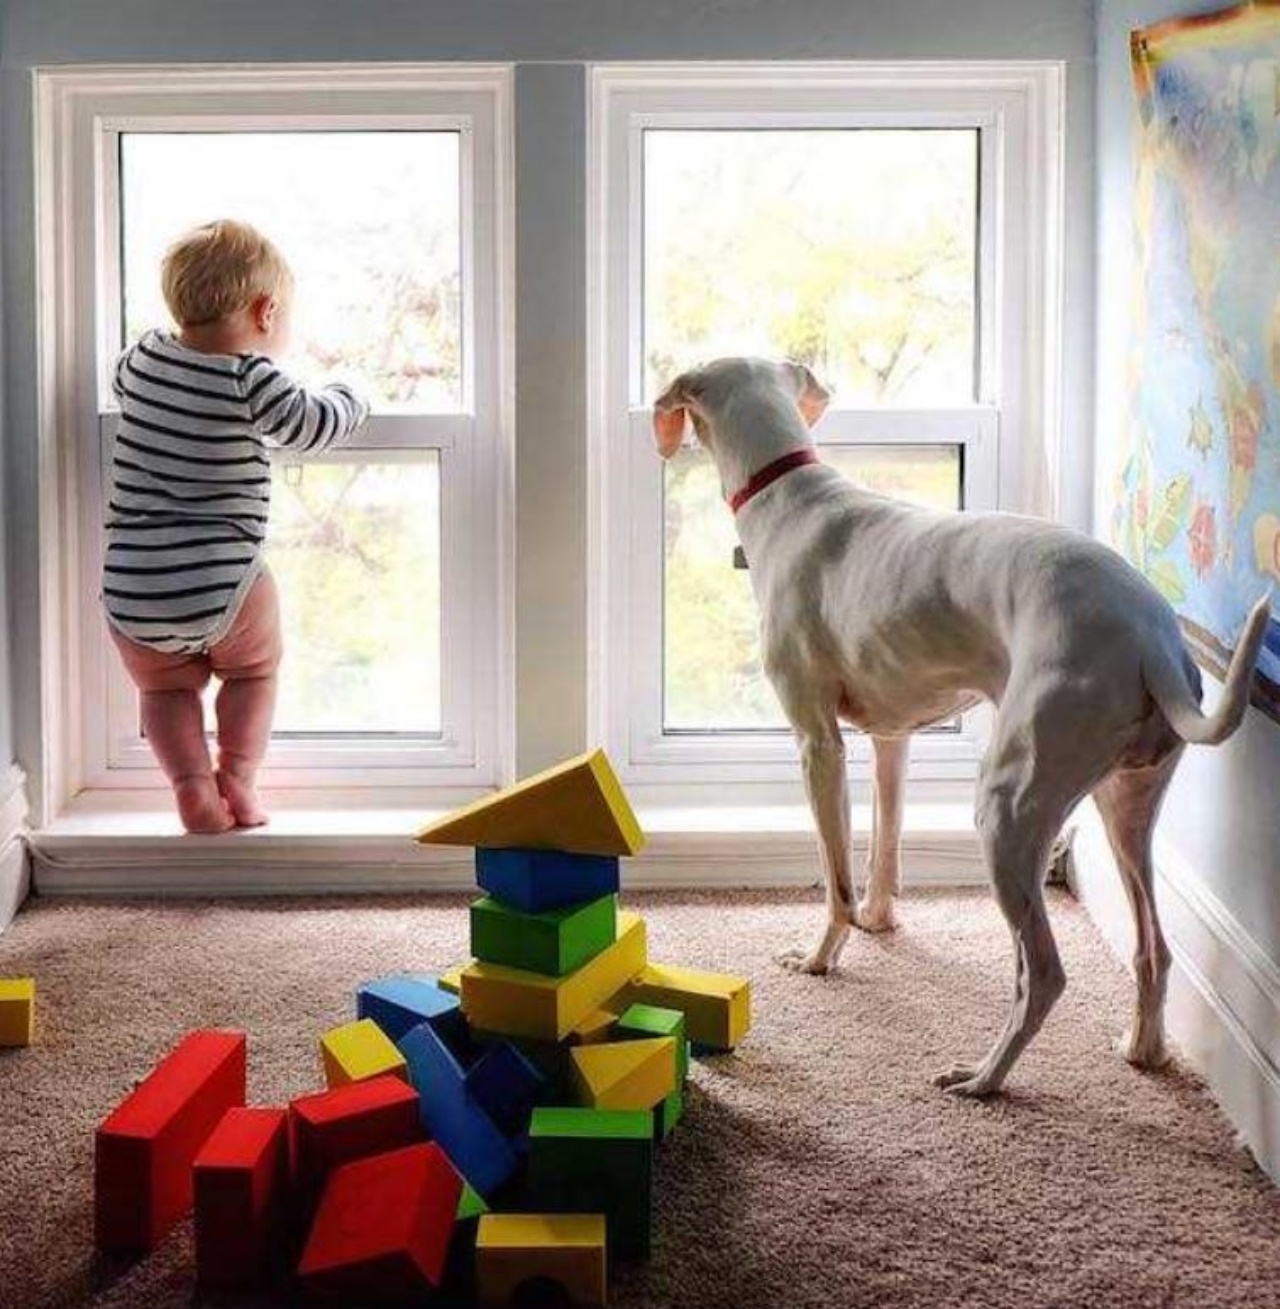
(851, 250)
(712, 678)
(355, 548)
(368, 221)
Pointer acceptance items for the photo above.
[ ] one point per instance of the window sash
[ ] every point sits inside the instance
(82, 116)
(627, 488)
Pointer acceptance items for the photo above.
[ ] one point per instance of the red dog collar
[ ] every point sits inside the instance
(770, 474)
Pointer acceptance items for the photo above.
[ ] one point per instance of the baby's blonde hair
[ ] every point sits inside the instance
(215, 269)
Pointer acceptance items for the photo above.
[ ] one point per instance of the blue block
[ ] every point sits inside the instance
(400, 1002)
(506, 1086)
(451, 1116)
(535, 880)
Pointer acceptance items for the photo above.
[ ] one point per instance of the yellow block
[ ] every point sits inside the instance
(516, 1002)
(568, 1249)
(716, 1006)
(625, 1074)
(452, 980)
(578, 806)
(17, 1010)
(594, 1028)
(358, 1051)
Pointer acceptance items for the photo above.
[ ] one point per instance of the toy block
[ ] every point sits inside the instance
(716, 1006)
(399, 1003)
(450, 1115)
(241, 1182)
(357, 1051)
(516, 1002)
(17, 1010)
(595, 1161)
(383, 1227)
(144, 1150)
(513, 1250)
(578, 806)
(471, 1204)
(506, 1085)
(641, 1021)
(337, 1127)
(451, 980)
(538, 880)
(597, 1026)
(636, 1074)
(554, 942)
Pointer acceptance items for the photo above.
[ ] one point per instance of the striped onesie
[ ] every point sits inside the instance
(191, 484)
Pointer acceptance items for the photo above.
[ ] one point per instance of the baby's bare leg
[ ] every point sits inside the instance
(247, 661)
(173, 722)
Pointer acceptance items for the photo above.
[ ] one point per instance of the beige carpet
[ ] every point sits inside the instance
(816, 1167)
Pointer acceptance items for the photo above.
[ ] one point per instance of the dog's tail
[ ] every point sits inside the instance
(1177, 700)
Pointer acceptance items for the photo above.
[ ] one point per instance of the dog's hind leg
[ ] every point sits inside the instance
(822, 761)
(1129, 802)
(1017, 822)
(884, 861)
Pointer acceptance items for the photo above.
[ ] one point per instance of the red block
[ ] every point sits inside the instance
(348, 1123)
(383, 1227)
(145, 1149)
(241, 1185)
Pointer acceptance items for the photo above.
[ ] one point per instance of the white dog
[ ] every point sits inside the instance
(889, 618)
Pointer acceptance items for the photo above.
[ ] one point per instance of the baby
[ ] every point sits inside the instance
(186, 592)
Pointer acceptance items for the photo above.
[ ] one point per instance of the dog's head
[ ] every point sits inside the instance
(702, 394)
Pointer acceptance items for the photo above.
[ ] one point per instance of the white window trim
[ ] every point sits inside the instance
(1019, 107)
(77, 113)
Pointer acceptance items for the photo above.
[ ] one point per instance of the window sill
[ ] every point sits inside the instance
(127, 844)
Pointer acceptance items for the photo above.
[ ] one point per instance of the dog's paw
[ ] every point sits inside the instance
(1150, 1055)
(869, 916)
(800, 960)
(966, 1082)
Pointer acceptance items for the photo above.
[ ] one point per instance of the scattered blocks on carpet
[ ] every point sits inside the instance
(17, 1011)
(241, 1186)
(578, 806)
(356, 1052)
(145, 1149)
(516, 1250)
(383, 1227)
(716, 1006)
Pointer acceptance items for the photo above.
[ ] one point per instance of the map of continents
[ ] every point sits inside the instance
(1198, 504)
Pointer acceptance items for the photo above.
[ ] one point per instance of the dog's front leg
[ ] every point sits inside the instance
(822, 761)
(884, 861)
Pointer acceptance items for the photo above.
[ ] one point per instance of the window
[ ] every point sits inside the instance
(870, 222)
(384, 191)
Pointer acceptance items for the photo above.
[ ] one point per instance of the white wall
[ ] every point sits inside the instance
(1218, 842)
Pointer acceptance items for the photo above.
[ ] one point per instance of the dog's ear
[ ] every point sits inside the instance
(670, 415)
(811, 395)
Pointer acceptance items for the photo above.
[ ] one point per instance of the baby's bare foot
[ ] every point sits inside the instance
(242, 796)
(200, 807)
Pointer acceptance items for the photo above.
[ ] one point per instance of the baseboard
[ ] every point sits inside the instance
(1224, 993)
(15, 867)
(373, 853)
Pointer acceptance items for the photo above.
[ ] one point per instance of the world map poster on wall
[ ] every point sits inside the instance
(1198, 505)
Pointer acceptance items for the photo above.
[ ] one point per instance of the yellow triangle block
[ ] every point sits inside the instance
(516, 1002)
(716, 1006)
(358, 1051)
(578, 806)
(625, 1074)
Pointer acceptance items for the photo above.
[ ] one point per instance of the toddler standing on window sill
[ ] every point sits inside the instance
(186, 592)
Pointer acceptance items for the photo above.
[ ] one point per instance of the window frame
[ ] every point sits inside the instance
(81, 115)
(1009, 434)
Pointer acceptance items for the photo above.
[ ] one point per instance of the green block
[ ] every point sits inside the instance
(596, 1161)
(668, 1114)
(644, 1021)
(553, 943)
(471, 1203)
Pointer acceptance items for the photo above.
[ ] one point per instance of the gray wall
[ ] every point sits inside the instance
(1221, 814)
(550, 40)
